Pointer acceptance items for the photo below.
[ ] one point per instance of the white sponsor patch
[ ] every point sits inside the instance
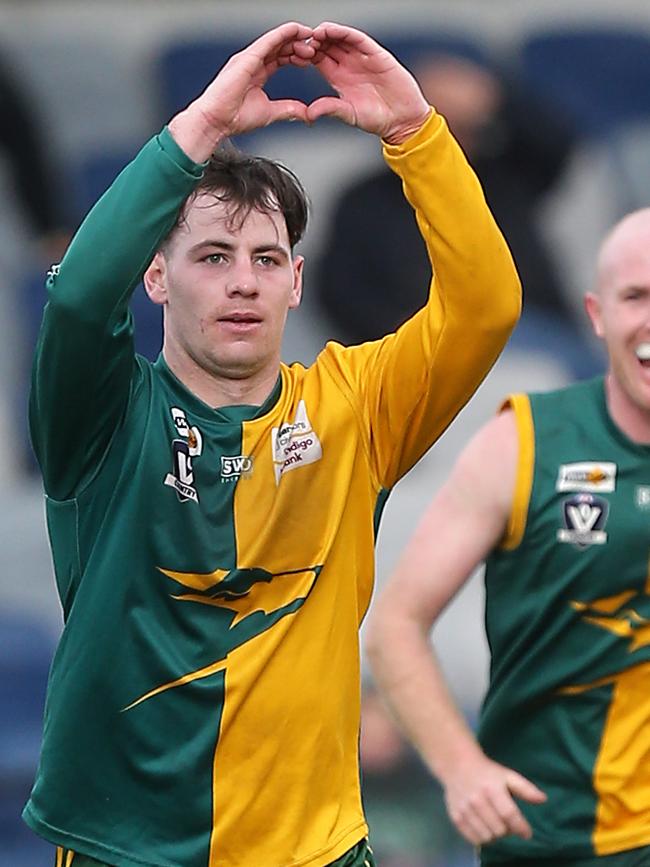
(235, 466)
(642, 496)
(294, 444)
(587, 476)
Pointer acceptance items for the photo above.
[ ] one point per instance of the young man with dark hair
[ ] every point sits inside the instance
(212, 516)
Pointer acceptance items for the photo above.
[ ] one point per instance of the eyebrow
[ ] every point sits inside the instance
(215, 243)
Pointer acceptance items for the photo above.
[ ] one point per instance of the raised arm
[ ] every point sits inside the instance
(85, 368)
(467, 518)
(413, 383)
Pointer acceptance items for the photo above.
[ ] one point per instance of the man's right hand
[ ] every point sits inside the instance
(235, 101)
(480, 798)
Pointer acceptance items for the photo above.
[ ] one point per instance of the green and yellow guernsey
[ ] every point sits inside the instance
(568, 622)
(214, 565)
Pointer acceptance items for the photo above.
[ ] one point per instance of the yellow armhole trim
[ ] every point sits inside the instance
(520, 404)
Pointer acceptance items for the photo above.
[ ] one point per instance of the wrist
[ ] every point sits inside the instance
(456, 762)
(194, 134)
(405, 130)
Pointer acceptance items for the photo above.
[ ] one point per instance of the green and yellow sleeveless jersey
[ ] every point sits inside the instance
(214, 565)
(568, 622)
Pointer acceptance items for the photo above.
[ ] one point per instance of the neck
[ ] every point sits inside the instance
(216, 389)
(632, 419)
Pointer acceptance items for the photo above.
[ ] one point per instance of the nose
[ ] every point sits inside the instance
(242, 280)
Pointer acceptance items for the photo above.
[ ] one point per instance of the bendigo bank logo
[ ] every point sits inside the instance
(294, 444)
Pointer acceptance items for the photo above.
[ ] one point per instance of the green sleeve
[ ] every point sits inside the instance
(84, 366)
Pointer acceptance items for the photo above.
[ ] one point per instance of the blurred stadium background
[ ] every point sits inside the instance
(101, 78)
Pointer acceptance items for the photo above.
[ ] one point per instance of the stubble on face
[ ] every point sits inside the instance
(231, 283)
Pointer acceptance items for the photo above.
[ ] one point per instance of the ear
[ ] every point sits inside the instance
(593, 306)
(296, 291)
(155, 279)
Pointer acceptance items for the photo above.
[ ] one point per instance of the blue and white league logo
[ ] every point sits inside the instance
(584, 516)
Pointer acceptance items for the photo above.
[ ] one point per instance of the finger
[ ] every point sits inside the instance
(473, 828)
(287, 109)
(333, 52)
(512, 817)
(489, 816)
(305, 48)
(340, 33)
(274, 39)
(295, 61)
(327, 66)
(331, 106)
(524, 789)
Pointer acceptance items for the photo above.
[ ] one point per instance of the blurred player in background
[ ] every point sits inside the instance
(554, 493)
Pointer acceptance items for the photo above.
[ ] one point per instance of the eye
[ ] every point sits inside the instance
(215, 258)
(267, 261)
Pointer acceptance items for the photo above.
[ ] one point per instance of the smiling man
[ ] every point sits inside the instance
(212, 516)
(554, 494)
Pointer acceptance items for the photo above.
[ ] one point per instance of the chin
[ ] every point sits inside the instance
(235, 366)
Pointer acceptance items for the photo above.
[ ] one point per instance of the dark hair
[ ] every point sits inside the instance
(248, 183)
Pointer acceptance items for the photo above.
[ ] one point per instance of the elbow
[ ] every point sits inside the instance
(502, 310)
(372, 641)
(507, 310)
(378, 634)
(387, 628)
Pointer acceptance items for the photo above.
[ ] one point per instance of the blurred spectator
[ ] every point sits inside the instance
(404, 805)
(33, 234)
(23, 150)
(517, 148)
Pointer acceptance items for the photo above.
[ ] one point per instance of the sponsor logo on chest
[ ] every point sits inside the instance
(642, 497)
(592, 476)
(234, 467)
(294, 444)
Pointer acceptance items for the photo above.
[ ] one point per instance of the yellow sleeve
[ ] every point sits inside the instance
(410, 385)
(520, 404)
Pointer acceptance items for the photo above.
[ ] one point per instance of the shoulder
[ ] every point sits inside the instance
(487, 468)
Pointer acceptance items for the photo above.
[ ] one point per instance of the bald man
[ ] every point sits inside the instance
(554, 495)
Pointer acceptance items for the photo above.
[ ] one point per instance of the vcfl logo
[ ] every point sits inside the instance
(585, 516)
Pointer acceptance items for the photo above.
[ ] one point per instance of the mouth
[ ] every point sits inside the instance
(642, 353)
(240, 322)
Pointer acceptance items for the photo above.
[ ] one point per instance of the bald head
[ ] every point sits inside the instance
(624, 257)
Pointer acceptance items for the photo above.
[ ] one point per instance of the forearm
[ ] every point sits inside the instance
(119, 236)
(404, 665)
(84, 359)
(474, 271)
(474, 300)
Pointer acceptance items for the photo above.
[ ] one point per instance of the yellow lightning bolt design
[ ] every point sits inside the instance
(610, 614)
(206, 671)
(197, 580)
(262, 596)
